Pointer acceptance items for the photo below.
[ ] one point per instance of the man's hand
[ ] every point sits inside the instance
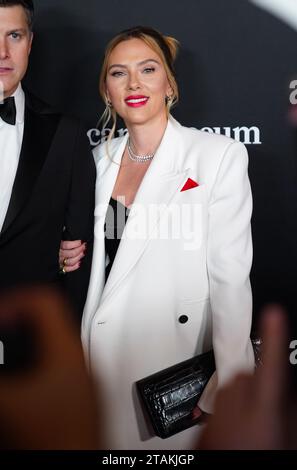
(70, 255)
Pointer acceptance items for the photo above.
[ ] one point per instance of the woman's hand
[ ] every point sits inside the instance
(70, 255)
(197, 412)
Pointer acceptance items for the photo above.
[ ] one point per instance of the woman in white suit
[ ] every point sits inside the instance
(174, 281)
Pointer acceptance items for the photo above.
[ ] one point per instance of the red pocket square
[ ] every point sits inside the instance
(189, 185)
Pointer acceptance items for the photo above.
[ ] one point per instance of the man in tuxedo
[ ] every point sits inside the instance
(47, 173)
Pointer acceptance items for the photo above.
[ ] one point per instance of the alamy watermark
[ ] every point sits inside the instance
(181, 222)
(1, 353)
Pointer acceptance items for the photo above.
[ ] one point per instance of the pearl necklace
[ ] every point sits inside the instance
(138, 158)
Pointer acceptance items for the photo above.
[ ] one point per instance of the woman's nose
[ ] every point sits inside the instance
(133, 83)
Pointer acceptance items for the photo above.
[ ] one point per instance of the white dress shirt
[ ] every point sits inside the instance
(11, 138)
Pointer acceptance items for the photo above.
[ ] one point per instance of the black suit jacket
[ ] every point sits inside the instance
(52, 198)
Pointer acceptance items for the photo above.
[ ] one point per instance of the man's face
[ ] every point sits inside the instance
(15, 46)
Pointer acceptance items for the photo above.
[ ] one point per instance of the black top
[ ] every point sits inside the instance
(115, 221)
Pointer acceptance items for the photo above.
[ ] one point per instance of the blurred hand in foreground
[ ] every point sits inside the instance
(256, 411)
(52, 404)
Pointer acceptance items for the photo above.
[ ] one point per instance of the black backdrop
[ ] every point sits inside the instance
(235, 68)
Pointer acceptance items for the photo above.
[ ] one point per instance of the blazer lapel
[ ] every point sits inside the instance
(38, 132)
(107, 172)
(161, 184)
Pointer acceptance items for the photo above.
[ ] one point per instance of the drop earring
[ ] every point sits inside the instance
(168, 100)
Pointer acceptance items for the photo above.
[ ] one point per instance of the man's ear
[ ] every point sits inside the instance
(31, 40)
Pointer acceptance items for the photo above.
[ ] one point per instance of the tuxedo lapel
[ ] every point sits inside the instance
(38, 133)
(161, 184)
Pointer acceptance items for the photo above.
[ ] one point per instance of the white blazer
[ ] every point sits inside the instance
(183, 253)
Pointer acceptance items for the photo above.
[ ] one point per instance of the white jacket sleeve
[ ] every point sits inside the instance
(229, 259)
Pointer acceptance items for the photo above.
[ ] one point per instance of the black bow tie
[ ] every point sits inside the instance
(8, 111)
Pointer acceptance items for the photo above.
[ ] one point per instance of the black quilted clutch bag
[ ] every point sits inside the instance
(171, 395)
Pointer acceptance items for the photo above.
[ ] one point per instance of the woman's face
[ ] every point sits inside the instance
(136, 83)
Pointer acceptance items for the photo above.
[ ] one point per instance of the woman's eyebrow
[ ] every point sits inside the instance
(139, 63)
(148, 60)
(117, 65)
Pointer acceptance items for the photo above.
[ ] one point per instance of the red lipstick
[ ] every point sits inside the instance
(135, 101)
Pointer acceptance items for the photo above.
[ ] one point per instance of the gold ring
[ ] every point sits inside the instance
(64, 261)
(62, 270)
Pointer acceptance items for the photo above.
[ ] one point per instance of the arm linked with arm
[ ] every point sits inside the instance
(79, 219)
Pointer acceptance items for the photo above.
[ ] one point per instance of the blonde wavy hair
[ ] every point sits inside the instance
(166, 47)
